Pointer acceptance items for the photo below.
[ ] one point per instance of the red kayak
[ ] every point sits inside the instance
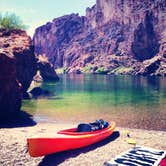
(66, 140)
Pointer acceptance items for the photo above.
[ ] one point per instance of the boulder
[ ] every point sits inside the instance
(47, 72)
(39, 92)
(153, 66)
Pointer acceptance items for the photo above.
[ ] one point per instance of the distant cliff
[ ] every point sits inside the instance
(115, 36)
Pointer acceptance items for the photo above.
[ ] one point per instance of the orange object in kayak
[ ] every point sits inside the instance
(67, 140)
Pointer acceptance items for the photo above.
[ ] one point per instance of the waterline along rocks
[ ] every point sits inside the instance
(114, 37)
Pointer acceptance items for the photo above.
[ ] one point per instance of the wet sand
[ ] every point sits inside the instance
(13, 148)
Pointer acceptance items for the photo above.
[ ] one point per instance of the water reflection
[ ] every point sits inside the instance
(126, 99)
(124, 89)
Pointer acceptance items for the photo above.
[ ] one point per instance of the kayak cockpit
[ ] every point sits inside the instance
(83, 128)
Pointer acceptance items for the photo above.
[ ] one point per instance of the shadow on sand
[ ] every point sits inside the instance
(22, 119)
(57, 158)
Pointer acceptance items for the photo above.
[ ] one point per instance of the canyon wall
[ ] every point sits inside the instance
(114, 35)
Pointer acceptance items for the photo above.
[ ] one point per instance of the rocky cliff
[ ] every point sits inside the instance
(115, 36)
(18, 65)
(17, 45)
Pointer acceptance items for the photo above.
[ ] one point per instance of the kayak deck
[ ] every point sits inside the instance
(73, 131)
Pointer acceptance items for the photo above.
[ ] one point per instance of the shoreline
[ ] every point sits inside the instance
(13, 149)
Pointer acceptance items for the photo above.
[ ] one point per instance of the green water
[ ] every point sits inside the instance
(138, 102)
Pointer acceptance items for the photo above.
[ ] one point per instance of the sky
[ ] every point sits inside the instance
(34, 13)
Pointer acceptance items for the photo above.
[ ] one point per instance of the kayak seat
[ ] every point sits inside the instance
(84, 128)
(97, 125)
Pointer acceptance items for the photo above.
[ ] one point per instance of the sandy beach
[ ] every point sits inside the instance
(13, 148)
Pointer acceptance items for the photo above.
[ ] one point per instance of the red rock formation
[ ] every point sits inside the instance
(18, 65)
(134, 30)
(17, 68)
(47, 71)
(19, 46)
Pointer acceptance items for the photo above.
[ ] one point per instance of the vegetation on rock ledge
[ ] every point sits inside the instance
(11, 21)
(122, 70)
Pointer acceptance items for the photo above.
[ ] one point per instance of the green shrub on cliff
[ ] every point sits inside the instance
(121, 70)
(62, 70)
(87, 69)
(11, 21)
(101, 70)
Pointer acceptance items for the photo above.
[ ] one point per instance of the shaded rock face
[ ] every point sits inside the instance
(145, 44)
(112, 34)
(26, 67)
(47, 71)
(10, 88)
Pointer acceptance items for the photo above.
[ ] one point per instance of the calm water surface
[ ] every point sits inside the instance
(137, 102)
